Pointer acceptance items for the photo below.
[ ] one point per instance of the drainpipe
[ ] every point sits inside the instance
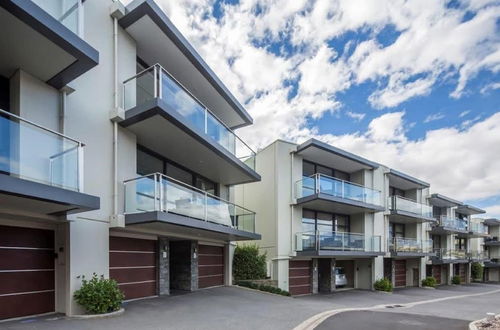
(117, 114)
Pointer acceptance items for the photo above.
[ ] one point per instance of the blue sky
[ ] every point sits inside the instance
(414, 84)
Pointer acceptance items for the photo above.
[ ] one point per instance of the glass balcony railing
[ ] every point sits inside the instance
(402, 244)
(398, 203)
(447, 254)
(65, 11)
(453, 223)
(337, 241)
(32, 152)
(157, 192)
(478, 228)
(156, 82)
(319, 183)
(478, 255)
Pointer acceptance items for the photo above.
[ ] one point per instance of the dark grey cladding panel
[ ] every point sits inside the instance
(139, 8)
(86, 56)
(76, 201)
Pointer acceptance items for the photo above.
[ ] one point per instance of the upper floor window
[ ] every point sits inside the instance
(310, 168)
(396, 191)
(324, 222)
(396, 230)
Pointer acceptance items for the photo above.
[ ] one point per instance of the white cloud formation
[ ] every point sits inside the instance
(356, 115)
(434, 117)
(492, 212)
(464, 113)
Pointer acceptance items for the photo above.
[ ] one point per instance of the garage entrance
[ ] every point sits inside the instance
(400, 273)
(132, 263)
(210, 266)
(348, 268)
(27, 281)
(299, 277)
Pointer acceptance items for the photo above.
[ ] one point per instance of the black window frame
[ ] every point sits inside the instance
(334, 222)
(334, 171)
(166, 161)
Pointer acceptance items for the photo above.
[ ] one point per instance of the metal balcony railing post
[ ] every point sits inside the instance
(317, 244)
(160, 182)
(316, 183)
(156, 191)
(205, 217)
(160, 83)
(155, 81)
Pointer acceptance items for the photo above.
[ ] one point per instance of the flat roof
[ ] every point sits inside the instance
(469, 209)
(416, 182)
(438, 200)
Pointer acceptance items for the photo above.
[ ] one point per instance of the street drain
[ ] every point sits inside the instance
(394, 306)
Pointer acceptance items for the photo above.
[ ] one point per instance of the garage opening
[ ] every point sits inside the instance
(26, 272)
(299, 277)
(132, 263)
(400, 273)
(210, 266)
(180, 266)
(347, 267)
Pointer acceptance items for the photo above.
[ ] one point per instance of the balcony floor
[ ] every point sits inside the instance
(338, 253)
(329, 203)
(408, 217)
(177, 224)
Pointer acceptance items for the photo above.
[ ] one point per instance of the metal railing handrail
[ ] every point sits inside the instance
(195, 98)
(81, 144)
(339, 180)
(161, 175)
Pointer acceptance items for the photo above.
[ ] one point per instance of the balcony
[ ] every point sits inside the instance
(493, 263)
(478, 256)
(43, 40)
(41, 171)
(324, 193)
(477, 230)
(337, 244)
(492, 241)
(159, 202)
(409, 247)
(447, 256)
(447, 225)
(161, 112)
(408, 211)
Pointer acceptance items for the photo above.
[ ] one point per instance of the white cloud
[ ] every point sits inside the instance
(434, 117)
(492, 212)
(356, 115)
(490, 87)
(464, 113)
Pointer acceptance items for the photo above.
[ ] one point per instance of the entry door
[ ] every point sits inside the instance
(299, 277)
(436, 272)
(26, 272)
(210, 266)
(400, 273)
(416, 277)
(132, 263)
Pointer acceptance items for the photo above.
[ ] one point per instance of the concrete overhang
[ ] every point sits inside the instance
(492, 242)
(159, 41)
(469, 210)
(438, 261)
(327, 155)
(339, 254)
(412, 254)
(400, 216)
(492, 222)
(329, 203)
(404, 181)
(41, 45)
(443, 201)
(444, 230)
(165, 222)
(29, 196)
(159, 128)
(492, 264)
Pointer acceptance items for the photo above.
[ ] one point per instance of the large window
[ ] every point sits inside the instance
(460, 243)
(397, 230)
(148, 162)
(396, 192)
(310, 168)
(325, 222)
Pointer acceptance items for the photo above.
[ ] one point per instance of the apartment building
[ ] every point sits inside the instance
(454, 238)
(117, 156)
(492, 250)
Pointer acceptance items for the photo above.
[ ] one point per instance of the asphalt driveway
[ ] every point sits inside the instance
(233, 307)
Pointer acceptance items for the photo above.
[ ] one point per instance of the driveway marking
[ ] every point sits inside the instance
(319, 318)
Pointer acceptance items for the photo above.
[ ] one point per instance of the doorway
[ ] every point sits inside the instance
(180, 266)
(416, 277)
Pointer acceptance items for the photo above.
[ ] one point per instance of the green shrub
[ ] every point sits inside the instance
(429, 282)
(248, 264)
(455, 279)
(263, 287)
(383, 284)
(477, 271)
(99, 295)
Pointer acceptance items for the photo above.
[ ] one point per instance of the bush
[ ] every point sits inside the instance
(383, 284)
(429, 282)
(477, 271)
(455, 279)
(248, 264)
(99, 295)
(263, 287)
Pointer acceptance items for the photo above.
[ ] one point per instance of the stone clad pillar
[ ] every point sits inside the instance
(194, 265)
(163, 267)
(314, 276)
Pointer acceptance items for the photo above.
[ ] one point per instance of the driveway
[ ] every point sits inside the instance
(233, 307)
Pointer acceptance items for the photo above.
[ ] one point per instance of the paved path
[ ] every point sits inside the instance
(236, 308)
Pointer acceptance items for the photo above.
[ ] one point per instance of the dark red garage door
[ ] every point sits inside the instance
(400, 272)
(299, 277)
(26, 271)
(210, 266)
(132, 263)
(436, 272)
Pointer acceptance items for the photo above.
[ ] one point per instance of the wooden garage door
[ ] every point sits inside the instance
(462, 272)
(436, 272)
(210, 266)
(299, 277)
(132, 263)
(26, 271)
(400, 272)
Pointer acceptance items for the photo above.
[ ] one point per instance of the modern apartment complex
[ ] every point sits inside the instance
(330, 219)
(117, 156)
(491, 248)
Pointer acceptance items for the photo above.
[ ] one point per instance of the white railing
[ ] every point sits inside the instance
(399, 203)
(33, 152)
(156, 82)
(319, 183)
(158, 192)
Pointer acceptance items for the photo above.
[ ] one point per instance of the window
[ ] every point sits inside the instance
(149, 162)
(460, 243)
(396, 192)
(436, 241)
(397, 230)
(309, 168)
(324, 222)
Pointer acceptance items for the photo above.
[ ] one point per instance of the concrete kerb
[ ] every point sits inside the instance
(317, 319)
(97, 316)
(473, 324)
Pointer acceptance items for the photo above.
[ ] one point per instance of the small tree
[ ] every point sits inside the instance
(248, 264)
(477, 271)
(99, 295)
(384, 284)
(430, 282)
(456, 280)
